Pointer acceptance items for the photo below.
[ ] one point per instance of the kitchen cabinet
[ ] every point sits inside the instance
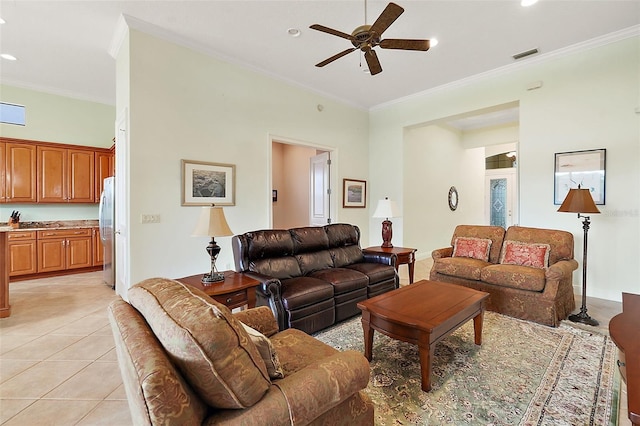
(18, 173)
(64, 249)
(104, 165)
(65, 175)
(98, 248)
(22, 253)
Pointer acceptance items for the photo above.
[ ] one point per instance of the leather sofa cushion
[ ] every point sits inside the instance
(309, 239)
(346, 255)
(209, 346)
(463, 267)
(515, 276)
(279, 267)
(304, 291)
(314, 261)
(269, 243)
(377, 272)
(342, 234)
(343, 280)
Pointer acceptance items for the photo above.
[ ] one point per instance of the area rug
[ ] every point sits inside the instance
(523, 374)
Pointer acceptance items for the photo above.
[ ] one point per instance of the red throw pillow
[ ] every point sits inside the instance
(525, 254)
(475, 248)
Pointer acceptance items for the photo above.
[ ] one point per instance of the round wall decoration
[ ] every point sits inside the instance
(453, 198)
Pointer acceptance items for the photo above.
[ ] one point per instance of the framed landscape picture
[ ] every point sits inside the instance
(354, 193)
(205, 183)
(584, 168)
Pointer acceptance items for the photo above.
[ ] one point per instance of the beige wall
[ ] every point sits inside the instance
(588, 100)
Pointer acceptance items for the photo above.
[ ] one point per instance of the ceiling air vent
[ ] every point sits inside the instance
(525, 54)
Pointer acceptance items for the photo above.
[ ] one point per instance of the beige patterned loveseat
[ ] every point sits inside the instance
(187, 360)
(539, 290)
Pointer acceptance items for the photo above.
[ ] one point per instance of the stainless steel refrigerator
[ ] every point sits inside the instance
(106, 218)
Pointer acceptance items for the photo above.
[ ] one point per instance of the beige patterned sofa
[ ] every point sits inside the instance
(187, 360)
(527, 271)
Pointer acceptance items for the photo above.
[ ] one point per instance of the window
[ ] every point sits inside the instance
(12, 114)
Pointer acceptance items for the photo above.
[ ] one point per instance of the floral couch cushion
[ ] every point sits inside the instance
(210, 346)
(525, 254)
(493, 233)
(515, 276)
(476, 248)
(463, 267)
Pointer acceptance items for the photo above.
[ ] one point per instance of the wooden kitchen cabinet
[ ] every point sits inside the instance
(64, 249)
(98, 248)
(22, 253)
(18, 173)
(65, 175)
(104, 162)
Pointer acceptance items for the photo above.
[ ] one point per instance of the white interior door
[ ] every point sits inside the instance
(501, 207)
(121, 227)
(320, 209)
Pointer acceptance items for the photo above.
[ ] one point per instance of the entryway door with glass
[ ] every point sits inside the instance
(500, 197)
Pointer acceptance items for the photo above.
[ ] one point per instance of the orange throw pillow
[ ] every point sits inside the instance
(475, 248)
(525, 254)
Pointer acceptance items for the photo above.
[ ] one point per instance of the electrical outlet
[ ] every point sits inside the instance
(149, 218)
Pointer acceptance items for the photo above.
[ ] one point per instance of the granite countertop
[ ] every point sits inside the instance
(55, 224)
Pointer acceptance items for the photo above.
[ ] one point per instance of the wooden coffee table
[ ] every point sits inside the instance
(422, 313)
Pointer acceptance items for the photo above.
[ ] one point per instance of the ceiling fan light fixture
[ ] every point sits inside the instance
(294, 32)
(8, 57)
(433, 42)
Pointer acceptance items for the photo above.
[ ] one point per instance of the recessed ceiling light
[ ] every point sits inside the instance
(2, 21)
(293, 32)
(527, 3)
(8, 57)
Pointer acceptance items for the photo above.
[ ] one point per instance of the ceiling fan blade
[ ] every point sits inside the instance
(331, 31)
(405, 44)
(372, 61)
(386, 18)
(334, 57)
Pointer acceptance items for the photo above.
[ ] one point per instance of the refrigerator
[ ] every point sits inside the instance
(106, 219)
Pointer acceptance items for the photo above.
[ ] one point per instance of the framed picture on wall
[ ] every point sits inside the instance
(354, 193)
(584, 168)
(205, 183)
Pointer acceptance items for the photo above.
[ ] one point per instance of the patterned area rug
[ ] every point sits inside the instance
(523, 374)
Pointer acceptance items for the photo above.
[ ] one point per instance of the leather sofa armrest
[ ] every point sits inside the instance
(442, 252)
(384, 258)
(324, 384)
(269, 293)
(260, 318)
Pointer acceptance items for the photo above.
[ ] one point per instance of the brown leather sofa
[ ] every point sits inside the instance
(543, 294)
(312, 277)
(187, 360)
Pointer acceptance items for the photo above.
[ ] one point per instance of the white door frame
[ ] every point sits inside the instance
(121, 228)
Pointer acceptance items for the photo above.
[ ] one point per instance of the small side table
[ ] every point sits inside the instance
(237, 290)
(405, 255)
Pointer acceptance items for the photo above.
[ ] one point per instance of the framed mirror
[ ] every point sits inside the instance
(453, 198)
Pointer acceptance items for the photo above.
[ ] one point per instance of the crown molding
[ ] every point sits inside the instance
(55, 91)
(593, 43)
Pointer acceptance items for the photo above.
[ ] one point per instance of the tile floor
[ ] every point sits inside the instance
(57, 359)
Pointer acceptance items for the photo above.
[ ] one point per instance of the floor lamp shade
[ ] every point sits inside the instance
(212, 223)
(580, 201)
(385, 209)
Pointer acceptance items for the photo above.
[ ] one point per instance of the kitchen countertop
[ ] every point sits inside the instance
(55, 224)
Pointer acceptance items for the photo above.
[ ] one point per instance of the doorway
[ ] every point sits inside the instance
(301, 184)
(500, 197)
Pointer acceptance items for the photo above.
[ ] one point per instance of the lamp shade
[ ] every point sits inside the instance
(578, 201)
(212, 223)
(386, 208)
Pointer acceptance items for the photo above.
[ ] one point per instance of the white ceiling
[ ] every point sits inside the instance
(62, 46)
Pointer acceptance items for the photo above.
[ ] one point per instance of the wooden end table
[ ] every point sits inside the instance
(237, 289)
(422, 314)
(405, 255)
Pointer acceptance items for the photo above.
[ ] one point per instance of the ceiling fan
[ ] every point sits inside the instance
(366, 37)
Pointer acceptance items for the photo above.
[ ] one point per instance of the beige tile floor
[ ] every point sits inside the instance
(57, 360)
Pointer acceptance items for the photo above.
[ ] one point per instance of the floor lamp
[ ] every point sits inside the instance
(580, 201)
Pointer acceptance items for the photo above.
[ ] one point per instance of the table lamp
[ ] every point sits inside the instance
(386, 209)
(212, 223)
(580, 201)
